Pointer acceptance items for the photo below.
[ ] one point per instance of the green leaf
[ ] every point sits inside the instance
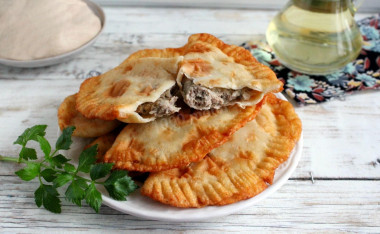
(38, 195)
(50, 199)
(58, 161)
(64, 141)
(93, 197)
(47, 195)
(69, 167)
(82, 183)
(31, 134)
(51, 190)
(44, 145)
(48, 174)
(119, 185)
(75, 193)
(100, 170)
(28, 153)
(87, 158)
(115, 175)
(62, 179)
(29, 172)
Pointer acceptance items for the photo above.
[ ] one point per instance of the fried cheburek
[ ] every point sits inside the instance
(239, 169)
(84, 127)
(202, 120)
(136, 91)
(209, 74)
(214, 74)
(177, 140)
(104, 143)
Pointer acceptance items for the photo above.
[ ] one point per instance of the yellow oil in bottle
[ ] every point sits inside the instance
(314, 40)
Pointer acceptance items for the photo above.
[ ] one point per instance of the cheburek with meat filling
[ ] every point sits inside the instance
(205, 73)
(136, 91)
(177, 140)
(214, 74)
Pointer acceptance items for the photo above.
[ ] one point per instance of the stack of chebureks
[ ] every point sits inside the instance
(202, 119)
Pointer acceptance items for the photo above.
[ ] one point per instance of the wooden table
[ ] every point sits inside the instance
(336, 186)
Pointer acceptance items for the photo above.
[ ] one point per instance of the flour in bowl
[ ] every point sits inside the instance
(44, 28)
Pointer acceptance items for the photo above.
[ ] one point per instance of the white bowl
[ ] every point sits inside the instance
(62, 57)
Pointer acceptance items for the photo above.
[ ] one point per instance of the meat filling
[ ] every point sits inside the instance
(202, 98)
(164, 106)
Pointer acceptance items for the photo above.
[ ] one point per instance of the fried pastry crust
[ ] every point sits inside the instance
(104, 143)
(142, 78)
(145, 76)
(177, 140)
(84, 127)
(239, 169)
(210, 63)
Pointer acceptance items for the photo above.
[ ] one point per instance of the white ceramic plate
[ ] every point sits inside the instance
(144, 207)
(63, 57)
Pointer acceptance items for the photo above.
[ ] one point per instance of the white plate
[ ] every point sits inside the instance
(144, 207)
(63, 57)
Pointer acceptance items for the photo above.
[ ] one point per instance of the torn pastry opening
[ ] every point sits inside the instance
(203, 98)
(163, 106)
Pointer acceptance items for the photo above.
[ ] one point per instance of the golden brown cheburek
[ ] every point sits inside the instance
(136, 91)
(84, 127)
(214, 74)
(177, 140)
(209, 73)
(104, 143)
(239, 169)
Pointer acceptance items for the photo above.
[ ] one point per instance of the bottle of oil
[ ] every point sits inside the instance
(315, 36)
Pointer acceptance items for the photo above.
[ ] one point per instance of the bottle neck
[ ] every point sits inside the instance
(323, 6)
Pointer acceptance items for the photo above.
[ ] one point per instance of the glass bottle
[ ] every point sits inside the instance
(315, 36)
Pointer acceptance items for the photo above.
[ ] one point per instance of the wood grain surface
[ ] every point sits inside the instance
(341, 138)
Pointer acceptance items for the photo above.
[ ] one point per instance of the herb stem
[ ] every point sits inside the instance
(39, 178)
(49, 167)
(10, 159)
(55, 151)
(87, 180)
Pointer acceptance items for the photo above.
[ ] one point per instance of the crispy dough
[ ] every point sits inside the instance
(239, 169)
(145, 75)
(104, 143)
(177, 140)
(84, 127)
(116, 94)
(211, 63)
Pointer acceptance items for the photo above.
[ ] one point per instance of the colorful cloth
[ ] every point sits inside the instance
(362, 74)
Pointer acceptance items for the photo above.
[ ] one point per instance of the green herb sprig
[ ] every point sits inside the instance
(55, 171)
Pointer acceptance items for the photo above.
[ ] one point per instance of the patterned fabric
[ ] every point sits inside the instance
(362, 74)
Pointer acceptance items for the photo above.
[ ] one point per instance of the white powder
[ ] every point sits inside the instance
(35, 29)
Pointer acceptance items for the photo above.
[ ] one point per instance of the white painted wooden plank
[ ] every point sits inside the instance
(131, 29)
(341, 138)
(110, 50)
(298, 206)
(367, 6)
(182, 20)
